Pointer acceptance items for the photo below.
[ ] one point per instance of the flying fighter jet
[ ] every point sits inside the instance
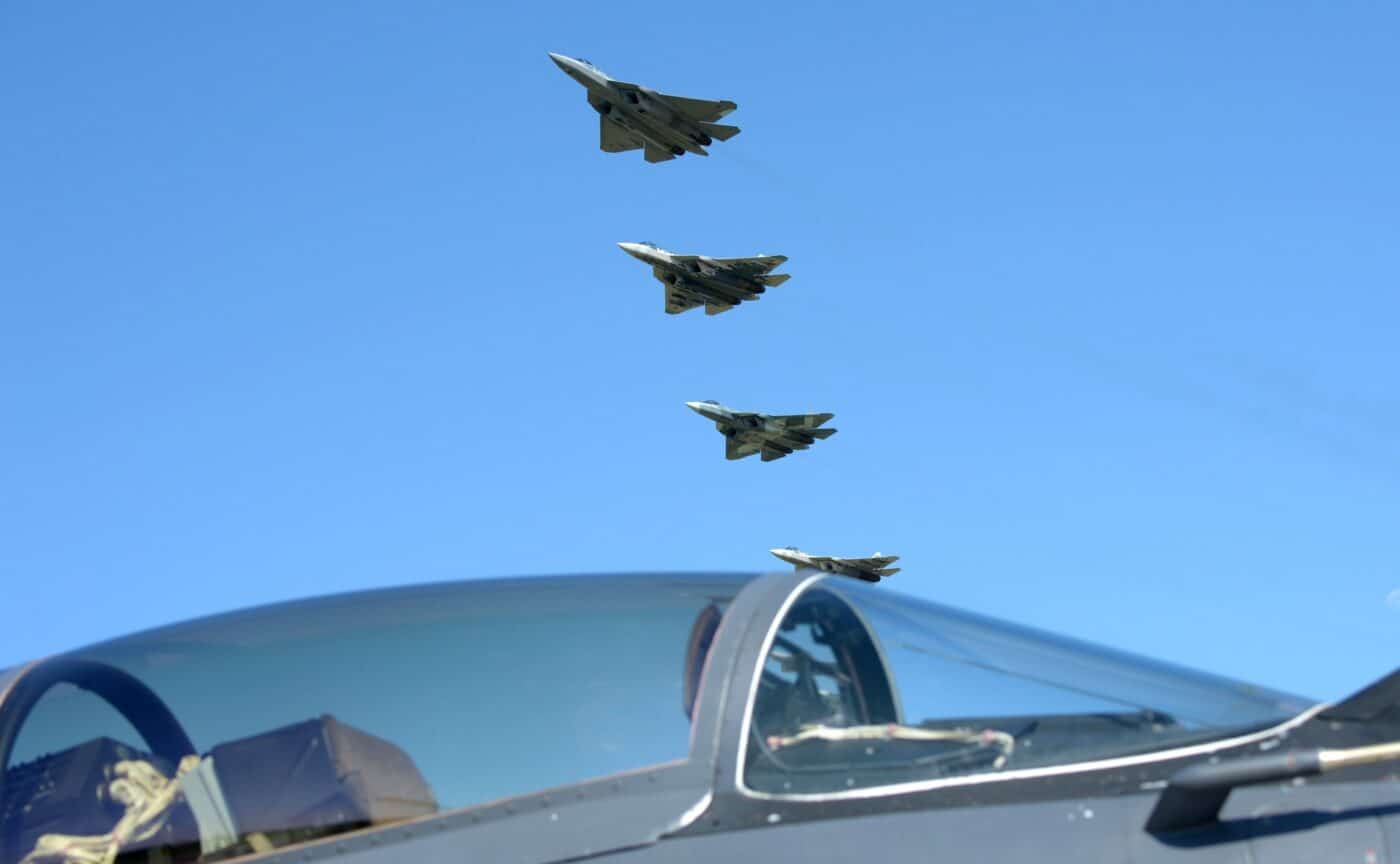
(870, 569)
(813, 719)
(718, 284)
(773, 435)
(634, 117)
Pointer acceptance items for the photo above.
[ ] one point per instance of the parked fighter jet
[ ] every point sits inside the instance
(659, 718)
(634, 117)
(870, 569)
(718, 284)
(773, 435)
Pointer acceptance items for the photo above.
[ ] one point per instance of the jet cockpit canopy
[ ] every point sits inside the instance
(270, 727)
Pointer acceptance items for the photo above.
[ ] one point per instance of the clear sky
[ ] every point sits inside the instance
(307, 297)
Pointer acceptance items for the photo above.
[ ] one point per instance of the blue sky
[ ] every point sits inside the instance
(319, 296)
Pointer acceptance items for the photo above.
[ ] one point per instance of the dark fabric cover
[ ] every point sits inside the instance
(318, 775)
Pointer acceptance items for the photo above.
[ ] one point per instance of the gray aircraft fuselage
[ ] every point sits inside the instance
(696, 275)
(702, 805)
(641, 113)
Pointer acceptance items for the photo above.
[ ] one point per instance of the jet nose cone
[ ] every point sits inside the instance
(694, 406)
(790, 555)
(560, 60)
(633, 249)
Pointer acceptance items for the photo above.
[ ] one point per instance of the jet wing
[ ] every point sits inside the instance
(802, 421)
(734, 450)
(700, 110)
(612, 138)
(756, 266)
(874, 562)
(678, 301)
(703, 110)
(867, 569)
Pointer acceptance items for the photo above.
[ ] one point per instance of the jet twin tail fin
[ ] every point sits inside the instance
(719, 131)
(1377, 703)
(652, 153)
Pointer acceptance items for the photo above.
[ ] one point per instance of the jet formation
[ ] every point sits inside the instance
(718, 284)
(633, 117)
(824, 725)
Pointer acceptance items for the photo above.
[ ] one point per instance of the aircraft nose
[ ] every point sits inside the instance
(633, 249)
(561, 61)
(697, 407)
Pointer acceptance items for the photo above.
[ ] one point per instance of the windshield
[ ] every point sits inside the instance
(313, 717)
(863, 688)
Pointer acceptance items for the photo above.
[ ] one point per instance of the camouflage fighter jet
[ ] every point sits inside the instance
(718, 284)
(870, 569)
(773, 435)
(633, 117)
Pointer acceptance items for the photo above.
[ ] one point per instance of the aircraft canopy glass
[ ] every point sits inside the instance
(864, 688)
(295, 721)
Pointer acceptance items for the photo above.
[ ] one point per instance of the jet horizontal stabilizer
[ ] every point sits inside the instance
(774, 279)
(719, 130)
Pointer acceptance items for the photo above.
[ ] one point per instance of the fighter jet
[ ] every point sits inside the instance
(718, 284)
(633, 117)
(812, 719)
(773, 435)
(870, 569)
(820, 720)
